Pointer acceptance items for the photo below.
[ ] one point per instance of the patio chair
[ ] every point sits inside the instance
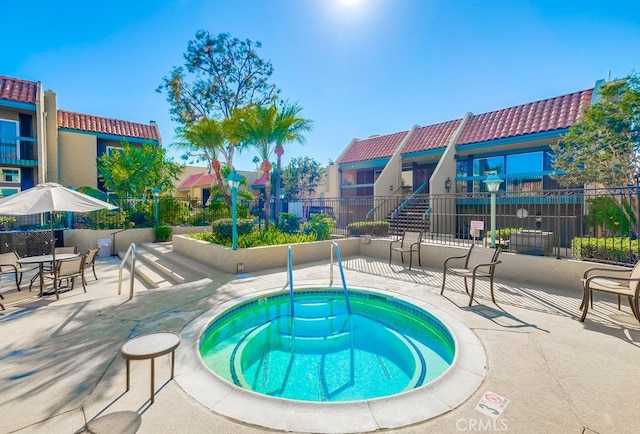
(48, 268)
(409, 243)
(9, 264)
(68, 269)
(476, 263)
(90, 262)
(614, 281)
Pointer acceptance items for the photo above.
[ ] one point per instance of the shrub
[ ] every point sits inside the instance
(162, 232)
(272, 237)
(621, 250)
(223, 228)
(377, 228)
(288, 223)
(320, 225)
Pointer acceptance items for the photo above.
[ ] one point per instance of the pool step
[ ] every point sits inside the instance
(312, 309)
(317, 327)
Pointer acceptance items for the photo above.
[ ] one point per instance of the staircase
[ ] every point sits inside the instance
(409, 218)
(158, 267)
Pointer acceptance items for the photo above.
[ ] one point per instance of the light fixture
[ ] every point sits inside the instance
(156, 195)
(447, 184)
(493, 182)
(391, 188)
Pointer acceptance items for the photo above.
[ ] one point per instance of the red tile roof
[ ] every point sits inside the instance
(96, 124)
(260, 182)
(196, 180)
(539, 116)
(431, 137)
(372, 148)
(18, 90)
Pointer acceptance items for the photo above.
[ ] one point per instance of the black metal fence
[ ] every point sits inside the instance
(600, 224)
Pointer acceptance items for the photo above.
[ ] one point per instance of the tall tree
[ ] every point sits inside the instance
(264, 127)
(291, 129)
(603, 147)
(220, 74)
(137, 170)
(302, 177)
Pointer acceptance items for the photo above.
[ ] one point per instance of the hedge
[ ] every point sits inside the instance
(377, 228)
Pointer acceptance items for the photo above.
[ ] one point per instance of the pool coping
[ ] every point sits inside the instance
(443, 394)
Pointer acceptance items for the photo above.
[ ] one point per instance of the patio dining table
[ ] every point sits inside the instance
(44, 259)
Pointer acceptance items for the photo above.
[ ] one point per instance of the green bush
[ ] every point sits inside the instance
(223, 228)
(162, 232)
(320, 225)
(288, 223)
(272, 237)
(621, 250)
(377, 228)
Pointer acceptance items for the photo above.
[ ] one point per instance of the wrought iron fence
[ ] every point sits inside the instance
(598, 224)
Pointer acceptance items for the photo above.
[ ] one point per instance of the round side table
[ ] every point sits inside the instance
(150, 346)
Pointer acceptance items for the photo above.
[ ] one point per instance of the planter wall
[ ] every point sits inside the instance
(260, 258)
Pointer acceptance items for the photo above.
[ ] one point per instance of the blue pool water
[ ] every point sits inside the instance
(383, 347)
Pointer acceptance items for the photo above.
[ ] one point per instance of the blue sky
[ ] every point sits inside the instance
(357, 68)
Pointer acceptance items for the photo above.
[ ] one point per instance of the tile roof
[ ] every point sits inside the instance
(535, 117)
(260, 182)
(17, 90)
(97, 124)
(196, 180)
(372, 148)
(431, 137)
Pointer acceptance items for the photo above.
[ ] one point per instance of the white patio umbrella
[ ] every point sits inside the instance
(50, 197)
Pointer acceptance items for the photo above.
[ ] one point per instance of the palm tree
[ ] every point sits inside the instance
(208, 139)
(290, 128)
(265, 128)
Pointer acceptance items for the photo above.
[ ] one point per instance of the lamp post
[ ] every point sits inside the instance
(493, 182)
(156, 195)
(233, 180)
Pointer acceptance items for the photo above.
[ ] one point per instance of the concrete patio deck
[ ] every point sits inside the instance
(61, 372)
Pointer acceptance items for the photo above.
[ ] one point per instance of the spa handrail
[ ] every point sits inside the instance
(131, 251)
(290, 279)
(334, 246)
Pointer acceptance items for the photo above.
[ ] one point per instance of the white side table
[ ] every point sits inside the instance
(150, 346)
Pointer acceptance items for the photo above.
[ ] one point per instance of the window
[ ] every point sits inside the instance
(9, 143)
(524, 163)
(9, 175)
(484, 166)
(8, 191)
(112, 149)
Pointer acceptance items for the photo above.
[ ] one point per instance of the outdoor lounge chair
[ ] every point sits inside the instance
(476, 263)
(9, 264)
(409, 243)
(615, 281)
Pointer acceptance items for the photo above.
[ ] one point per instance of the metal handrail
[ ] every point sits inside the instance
(407, 201)
(131, 251)
(334, 246)
(290, 280)
(392, 196)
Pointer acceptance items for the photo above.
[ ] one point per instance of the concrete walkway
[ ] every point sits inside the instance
(61, 372)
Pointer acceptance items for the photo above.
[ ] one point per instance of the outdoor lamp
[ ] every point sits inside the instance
(493, 182)
(447, 184)
(233, 180)
(156, 195)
